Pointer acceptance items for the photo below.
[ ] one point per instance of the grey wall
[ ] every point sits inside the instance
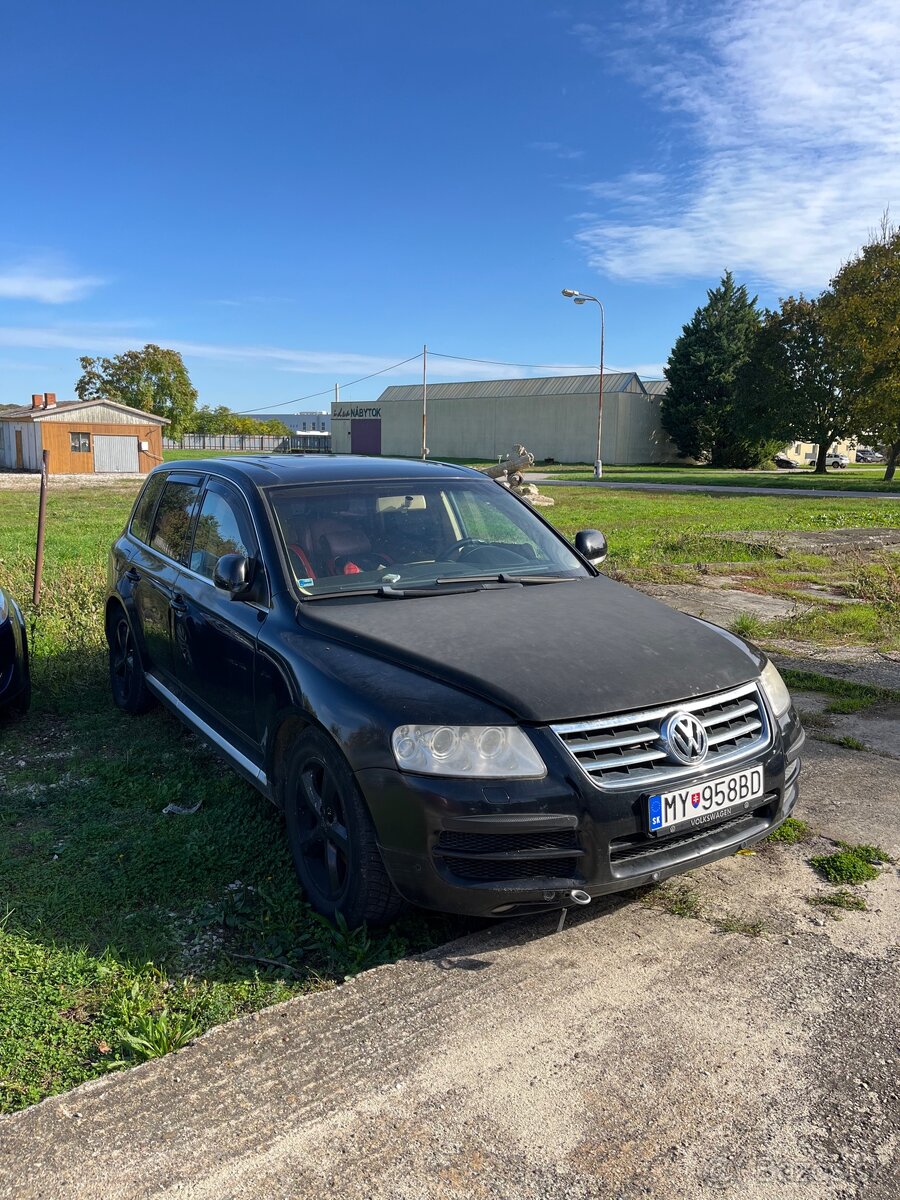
(563, 427)
(31, 444)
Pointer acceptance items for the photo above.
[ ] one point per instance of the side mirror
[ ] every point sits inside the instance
(591, 544)
(233, 573)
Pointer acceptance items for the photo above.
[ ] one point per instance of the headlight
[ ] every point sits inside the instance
(776, 689)
(479, 751)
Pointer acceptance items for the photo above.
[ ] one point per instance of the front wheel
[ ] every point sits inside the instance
(332, 838)
(126, 675)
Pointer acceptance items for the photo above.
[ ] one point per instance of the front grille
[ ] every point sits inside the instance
(552, 854)
(627, 751)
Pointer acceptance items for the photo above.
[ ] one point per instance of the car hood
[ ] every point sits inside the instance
(546, 652)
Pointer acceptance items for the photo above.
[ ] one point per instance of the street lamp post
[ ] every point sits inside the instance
(582, 298)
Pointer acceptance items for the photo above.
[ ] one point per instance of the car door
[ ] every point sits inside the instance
(154, 569)
(215, 634)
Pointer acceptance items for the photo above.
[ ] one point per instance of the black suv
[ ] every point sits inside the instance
(448, 700)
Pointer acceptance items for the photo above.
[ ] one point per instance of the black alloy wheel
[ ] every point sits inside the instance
(126, 675)
(332, 838)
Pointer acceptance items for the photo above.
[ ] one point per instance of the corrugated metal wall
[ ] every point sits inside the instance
(562, 427)
(31, 445)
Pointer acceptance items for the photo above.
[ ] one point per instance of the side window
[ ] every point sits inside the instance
(222, 528)
(143, 510)
(80, 443)
(173, 518)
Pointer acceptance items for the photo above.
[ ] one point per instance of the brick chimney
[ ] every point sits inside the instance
(37, 400)
(49, 399)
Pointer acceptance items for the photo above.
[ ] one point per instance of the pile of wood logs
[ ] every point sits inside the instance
(508, 473)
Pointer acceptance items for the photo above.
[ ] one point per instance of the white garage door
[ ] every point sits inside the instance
(115, 453)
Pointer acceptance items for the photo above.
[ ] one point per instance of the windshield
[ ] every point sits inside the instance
(395, 534)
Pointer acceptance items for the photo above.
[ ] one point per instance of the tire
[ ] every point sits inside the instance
(332, 838)
(126, 675)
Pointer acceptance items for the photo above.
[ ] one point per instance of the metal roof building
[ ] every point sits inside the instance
(81, 437)
(555, 417)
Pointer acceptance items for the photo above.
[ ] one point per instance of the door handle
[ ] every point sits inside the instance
(132, 575)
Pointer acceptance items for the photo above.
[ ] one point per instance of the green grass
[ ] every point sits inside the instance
(850, 864)
(748, 625)
(858, 477)
(178, 455)
(127, 929)
(790, 832)
(847, 697)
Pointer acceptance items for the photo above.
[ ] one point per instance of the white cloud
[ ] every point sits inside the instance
(114, 337)
(41, 281)
(558, 150)
(792, 109)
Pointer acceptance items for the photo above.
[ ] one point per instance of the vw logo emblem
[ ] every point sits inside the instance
(684, 738)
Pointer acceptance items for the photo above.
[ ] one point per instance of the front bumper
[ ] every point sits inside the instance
(505, 848)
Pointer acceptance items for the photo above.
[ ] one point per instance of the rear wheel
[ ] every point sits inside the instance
(126, 675)
(332, 838)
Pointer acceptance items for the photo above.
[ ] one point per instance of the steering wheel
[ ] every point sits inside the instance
(459, 548)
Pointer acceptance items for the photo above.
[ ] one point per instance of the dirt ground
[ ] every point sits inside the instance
(728, 1039)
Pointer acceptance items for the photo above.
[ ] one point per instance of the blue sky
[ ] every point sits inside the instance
(294, 194)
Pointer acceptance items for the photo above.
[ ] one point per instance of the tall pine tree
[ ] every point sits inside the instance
(701, 411)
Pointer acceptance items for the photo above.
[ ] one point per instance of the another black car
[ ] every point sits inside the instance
(15, 677)
(783, 461)
(448, 700)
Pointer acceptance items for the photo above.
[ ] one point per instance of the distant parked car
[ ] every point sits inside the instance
(15, 679)
(838, 461)
(786, 464)
(864, 455)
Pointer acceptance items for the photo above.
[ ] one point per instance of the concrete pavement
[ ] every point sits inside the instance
(639, 1053)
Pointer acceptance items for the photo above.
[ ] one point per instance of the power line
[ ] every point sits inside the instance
(329, 391)
(494, 362)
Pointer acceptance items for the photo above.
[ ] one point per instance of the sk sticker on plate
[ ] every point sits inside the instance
(655, 812)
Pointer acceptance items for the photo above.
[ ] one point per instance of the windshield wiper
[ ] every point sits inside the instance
(391, 593)
(503, 577)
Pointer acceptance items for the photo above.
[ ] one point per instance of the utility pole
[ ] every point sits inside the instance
(424, 401)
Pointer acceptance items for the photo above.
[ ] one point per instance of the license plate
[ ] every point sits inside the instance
(699, 804)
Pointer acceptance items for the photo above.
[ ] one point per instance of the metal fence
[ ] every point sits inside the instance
(310, 443)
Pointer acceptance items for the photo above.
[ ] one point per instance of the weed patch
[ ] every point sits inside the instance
(850, 864)
(677, 898)
(790, 832)
(734, 924)
(748, 625)
(842, 898)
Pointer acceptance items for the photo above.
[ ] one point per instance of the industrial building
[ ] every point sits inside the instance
(554, 417)
(81, 437)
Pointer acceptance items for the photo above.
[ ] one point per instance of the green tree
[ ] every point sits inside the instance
(701, 411)
(153, 379)
(791, 385)
(863, 314)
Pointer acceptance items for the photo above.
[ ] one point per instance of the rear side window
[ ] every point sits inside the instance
(143, 510)
(173, 518)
